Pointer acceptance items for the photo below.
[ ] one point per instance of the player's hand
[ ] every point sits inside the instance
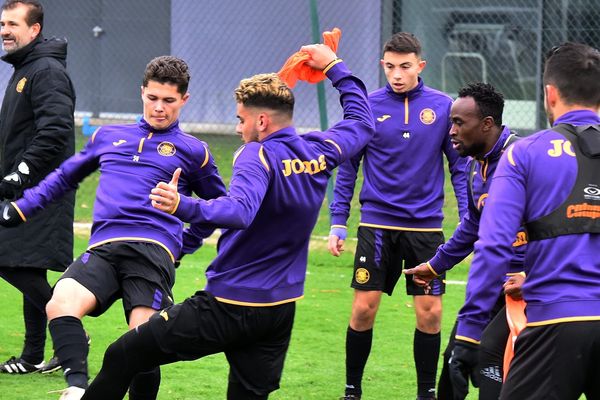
(164, 196)
(12, 184)
(422, 274)
(512, 287)
(462, 364)
(320, 55)
(337, 238)
(8, 215)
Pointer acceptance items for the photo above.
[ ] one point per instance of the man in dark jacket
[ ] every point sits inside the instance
(36, 135)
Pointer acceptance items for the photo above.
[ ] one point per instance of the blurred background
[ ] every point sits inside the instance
(501, 42)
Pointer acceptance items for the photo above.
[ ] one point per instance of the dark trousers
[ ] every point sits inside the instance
(33, 283)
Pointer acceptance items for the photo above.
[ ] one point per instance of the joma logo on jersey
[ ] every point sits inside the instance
(560, 146)
(297, 166)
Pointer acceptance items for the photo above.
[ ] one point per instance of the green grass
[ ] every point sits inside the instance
(314, 366)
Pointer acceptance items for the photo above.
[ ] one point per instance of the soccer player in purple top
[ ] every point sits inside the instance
(133, 246)
(478, 134)
(550, 183)
(277, 188)
(401, 208)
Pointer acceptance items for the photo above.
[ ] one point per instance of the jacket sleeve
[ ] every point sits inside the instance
(249, 183)
(500, 221)
(459, 246)
(207, 184)
(62, 180)
(53, 104)
(349, 136)
(456, 165)
(343, 191)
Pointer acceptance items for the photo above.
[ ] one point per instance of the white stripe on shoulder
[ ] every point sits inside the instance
(237, 153)
(94, 134)
(206, 157)
(263, 160)
(339, 149)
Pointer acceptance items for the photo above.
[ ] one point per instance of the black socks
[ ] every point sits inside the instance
(71, 348)
(426, 348)
(358, 348)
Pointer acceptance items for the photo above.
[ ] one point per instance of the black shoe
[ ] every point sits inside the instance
(16, 365)
(53, 365)
(350, 397)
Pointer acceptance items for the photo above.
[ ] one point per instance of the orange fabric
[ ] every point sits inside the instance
(515, 316)
(295, 68)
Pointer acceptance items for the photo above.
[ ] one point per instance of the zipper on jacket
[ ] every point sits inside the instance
(142, 140)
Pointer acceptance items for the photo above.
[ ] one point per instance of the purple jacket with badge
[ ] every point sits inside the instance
(460, 245)
(275, 194)
(132, 159)
(533, 178)
(403, 169)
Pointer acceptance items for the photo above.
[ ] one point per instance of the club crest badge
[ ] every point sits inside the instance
(362, 275)
(21, 85)
(166, 149)
(427, 116)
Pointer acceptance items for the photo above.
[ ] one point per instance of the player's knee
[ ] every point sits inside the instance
(429, 320)
(55, 308)
(364, 312)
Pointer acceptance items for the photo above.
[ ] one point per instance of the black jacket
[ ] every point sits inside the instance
(36, 126)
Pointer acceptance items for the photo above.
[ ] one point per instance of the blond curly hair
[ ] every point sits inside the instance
(265, 91)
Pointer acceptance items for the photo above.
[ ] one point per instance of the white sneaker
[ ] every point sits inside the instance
(70, 393)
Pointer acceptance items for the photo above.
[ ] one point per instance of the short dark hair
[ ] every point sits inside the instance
(574, 69)
(168, 69)
(268, 91)
(404, 43)
(35, 14)
(489, 101)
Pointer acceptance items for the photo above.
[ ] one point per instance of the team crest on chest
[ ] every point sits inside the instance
(21, 85)
(427, 116)
(166, 149)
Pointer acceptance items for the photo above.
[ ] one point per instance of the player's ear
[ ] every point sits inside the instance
(552, 94)
(186, 97)
(488, 122)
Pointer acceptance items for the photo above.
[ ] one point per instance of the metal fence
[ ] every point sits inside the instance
(501, 42)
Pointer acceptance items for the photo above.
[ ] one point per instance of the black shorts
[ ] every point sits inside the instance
(141, 273)
(557, 361)
(381, 254)
(254, 339)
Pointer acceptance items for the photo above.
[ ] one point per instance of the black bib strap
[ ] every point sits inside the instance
(580, 212)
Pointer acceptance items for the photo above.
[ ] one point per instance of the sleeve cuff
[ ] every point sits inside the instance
(469, 331)
(432, 270)
(185, 208)
(14, 204)
(436, 265)
(337, 71)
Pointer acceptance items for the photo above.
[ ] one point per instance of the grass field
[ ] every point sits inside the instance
(315, 363)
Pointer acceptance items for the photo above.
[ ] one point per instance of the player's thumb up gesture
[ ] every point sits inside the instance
(165, 196)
